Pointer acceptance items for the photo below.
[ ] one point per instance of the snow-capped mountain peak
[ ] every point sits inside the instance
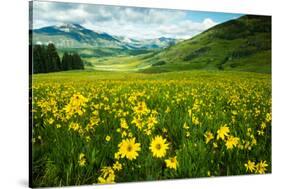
(68, 27)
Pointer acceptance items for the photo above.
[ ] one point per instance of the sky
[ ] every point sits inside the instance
(131, 22)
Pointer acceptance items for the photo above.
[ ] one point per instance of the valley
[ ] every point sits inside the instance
(243, 44)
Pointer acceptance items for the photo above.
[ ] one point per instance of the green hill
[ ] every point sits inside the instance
(242, 44)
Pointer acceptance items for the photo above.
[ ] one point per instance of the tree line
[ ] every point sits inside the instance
(46, 59)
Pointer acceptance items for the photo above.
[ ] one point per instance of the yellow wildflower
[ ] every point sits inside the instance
(231, 142)
(195, 120)
(223, 132)
(117, 166)
(261, 167)
(123, 134)
(129, 149)
(215, 145)
(88, 138)
(82, 160)
(167, 110)
(123, 123)
(151, 121)
(268, 117)
(185, 126)
(250, 166)
(74, 126)
(141, 108)
(263, 125)
(117, 155)
(107, 138)
(208, 136)
(138, 122)
(107, 176)
(172, 163)
(158, 147)
(76, 104)
(260, 132)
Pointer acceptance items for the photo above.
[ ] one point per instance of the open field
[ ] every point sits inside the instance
(104, 127)
(119, 63)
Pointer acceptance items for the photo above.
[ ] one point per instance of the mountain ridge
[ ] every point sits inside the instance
(240, 44)
(77, 36)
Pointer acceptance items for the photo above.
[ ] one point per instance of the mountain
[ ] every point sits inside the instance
(156, 43)
(76, 36)
(242, 44)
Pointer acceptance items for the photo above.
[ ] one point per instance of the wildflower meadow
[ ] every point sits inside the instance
(108, 127)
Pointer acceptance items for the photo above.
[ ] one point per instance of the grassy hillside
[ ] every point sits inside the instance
(243, 44)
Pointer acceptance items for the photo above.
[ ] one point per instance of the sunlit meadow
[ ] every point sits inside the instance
(104, 127)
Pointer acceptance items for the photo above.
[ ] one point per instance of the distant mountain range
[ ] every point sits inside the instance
(76, 36)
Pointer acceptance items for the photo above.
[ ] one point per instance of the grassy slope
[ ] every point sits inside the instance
(243, 44)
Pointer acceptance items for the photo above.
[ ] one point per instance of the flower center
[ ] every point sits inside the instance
(158, 146)
(129, 148)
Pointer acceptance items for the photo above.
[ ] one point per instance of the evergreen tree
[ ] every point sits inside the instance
(64, 62)
(39, 59)
(75, 59)
(46, 59)
(44, 64)
(80, 62)
(71, 61)
(81, 65)
(36, 59)
(31, 66)
(53, 58)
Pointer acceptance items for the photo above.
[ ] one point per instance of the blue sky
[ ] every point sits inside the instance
(131, 22)
(199, 16)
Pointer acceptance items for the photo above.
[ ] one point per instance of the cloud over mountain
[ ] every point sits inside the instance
(131, 22)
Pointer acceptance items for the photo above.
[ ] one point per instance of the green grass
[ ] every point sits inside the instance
(241, 100)
(119, 63)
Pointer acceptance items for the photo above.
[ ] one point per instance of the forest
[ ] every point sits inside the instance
(46, 59)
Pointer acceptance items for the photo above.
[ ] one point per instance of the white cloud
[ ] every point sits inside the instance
(208, 23)
(125, 21)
